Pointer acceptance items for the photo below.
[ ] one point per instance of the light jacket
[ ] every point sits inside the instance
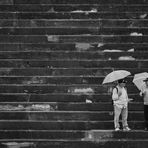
(122, 100)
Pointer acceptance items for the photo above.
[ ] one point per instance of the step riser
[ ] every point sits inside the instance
(83, 73)
(77, 116)
(70, 46)
(75, 23)
(73, 39)
(100, 135)
(63, 80)
(83, 144)
(63, 125)
(41, 135)
(78, 2)
(76, 15)
(118, 64)
(71, 55)
(97, 135)
(61, 98)
(72, 7)
(66, 106)
(77, 89)
(73, 31)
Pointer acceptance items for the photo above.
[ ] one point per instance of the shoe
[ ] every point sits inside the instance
(126, 129)
(117, 129)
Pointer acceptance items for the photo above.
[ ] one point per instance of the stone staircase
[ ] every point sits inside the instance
(54, 55)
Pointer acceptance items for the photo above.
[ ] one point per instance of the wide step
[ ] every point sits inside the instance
(75, 143)
(54, 55)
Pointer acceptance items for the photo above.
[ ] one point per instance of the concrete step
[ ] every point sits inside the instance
(78, 2)
(118, 64)
(74, 31)
(97, 135)
(78, 143)
(73, 135)
(73, 15)
(83, 46)
(58, 106)
(68, 23)
(46, 118)
(59, 80)
(51, 80)
(64, 125)
(78, 72)
(41, 134)
(53, 55)
(57, 88)
(74, 143)
(67, 115)
(61, 97)
(72, 7)
(73, 39)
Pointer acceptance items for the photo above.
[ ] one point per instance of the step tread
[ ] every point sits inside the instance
(73, 140)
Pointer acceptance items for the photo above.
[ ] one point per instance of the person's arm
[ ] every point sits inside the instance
(115, 95)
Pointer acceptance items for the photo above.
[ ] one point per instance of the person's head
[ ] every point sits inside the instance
(122, 83)
(146, 81)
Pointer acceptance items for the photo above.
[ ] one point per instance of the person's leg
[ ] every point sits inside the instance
(146, 115)
(117, 112)
(124, 114)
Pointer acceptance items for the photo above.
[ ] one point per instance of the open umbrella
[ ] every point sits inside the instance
(138, 79)
(116, 75)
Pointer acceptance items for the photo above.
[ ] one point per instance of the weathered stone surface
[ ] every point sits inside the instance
(74, 15)
(79, 15)
(71, 46)
(64, 115)
(75, 31)
(56, 80)
(112, 135)
(61, 97)
(67, 72)
(42, 134)
(73, 39)
(88, 144)
(111, 64)
(54, 55)
(58, 106)
(6, 2)
(41, 23)
(93, 55)
(86, 8)
(53, 88)
(64, 125)
(79, 2)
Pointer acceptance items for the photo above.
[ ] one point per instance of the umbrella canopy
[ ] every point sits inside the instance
(138, 79)
(116, 75)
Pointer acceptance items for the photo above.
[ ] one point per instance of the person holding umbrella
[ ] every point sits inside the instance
(120, 102)
(119, 97)
(141, 81)
(144, 93)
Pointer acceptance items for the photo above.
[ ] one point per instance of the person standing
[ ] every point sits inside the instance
(120, 102)
(144, 93)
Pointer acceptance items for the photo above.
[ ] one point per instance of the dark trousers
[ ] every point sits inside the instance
(146, 115)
